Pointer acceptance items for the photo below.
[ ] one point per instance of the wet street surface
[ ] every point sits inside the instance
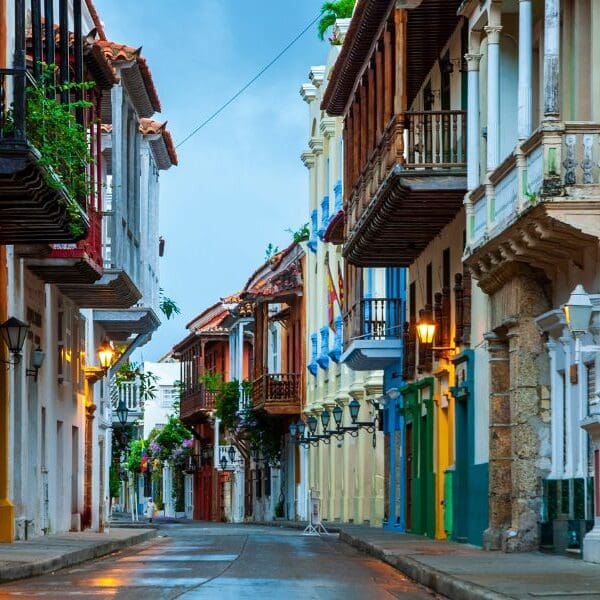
(227, 562)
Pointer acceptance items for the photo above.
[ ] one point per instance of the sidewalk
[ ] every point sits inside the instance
(463, 572)
(45, 554)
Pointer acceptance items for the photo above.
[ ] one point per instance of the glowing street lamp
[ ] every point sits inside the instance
(106, 354)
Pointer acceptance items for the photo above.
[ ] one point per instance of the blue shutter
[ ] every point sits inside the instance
(312, 365)
(323, 359)
(312, 242)
(324, 217)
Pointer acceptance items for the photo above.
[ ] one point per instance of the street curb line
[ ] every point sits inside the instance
(43, 567)
(439, 581)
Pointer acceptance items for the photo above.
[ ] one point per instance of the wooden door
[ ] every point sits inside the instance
(203, 494)
(409, 474)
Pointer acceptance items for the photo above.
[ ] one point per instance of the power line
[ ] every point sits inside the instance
(243, 89)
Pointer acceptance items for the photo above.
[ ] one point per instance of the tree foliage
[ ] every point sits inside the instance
(331, 11)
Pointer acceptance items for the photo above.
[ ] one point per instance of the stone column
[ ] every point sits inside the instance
(525, 69)
(551, 59)
(493, 100)
(500, 460)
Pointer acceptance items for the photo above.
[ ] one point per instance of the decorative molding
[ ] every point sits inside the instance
(327, 127)
(308, 92)
(317, 75)
(308, 159)
(316, 145)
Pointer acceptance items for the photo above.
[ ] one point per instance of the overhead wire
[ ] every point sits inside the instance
(262, 71)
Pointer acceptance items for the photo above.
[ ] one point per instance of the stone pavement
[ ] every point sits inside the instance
(45, 554)
(463, 572)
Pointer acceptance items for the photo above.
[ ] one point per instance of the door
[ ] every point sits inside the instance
(409, 474)
(203, 493)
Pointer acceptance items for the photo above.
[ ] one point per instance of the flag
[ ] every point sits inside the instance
(340, 286)
(331, 295)
(144, 462)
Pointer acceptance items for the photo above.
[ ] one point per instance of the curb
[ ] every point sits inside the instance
(439, 581)
(24, 571)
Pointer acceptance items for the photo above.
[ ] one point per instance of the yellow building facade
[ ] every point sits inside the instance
(347, 470)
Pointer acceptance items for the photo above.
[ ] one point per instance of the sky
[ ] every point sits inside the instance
(240, 182)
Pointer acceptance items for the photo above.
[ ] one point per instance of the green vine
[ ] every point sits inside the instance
(302, 234)
(62, 143)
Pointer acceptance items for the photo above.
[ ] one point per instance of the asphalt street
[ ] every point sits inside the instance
(227, 562)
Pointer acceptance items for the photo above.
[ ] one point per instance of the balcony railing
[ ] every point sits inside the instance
(373, 319)
(129, 393)
(276, 389)
(196, 402)
(34, 205)
(436, 139)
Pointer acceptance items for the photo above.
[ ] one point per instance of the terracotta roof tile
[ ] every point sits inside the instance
(151, 127)
(120, 52)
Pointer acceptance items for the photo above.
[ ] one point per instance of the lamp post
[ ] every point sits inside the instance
(106, 354)
(578, 314)
(14, 334)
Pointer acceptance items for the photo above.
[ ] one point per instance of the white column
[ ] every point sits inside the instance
(569, 412)
(525, 69)
(556, 411)
(493, 125)
(473, 121)
(551, 58)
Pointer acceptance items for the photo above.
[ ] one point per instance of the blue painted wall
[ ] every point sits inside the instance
(393, 420)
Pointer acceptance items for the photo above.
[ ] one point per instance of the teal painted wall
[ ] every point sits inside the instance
(470, 481)
(419, 416)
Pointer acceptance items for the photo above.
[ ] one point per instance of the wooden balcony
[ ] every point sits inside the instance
(34, 205)
(411, 187)
(373, 334)
(196, 403)
(278, 393)
(79, 263)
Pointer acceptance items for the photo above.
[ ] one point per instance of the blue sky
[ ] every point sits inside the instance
(240, 182)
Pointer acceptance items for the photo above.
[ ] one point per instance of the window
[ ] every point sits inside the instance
(168, 395)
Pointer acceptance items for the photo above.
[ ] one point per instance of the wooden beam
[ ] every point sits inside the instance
(379, 91)
(388, 67)
(400, 19)
(371, 107)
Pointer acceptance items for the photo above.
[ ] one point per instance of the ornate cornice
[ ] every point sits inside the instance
(308, 92)
(308, 158)
(327, 127)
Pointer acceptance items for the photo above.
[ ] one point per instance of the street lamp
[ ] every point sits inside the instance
(312, 424)
(354, 407)
(578, 311)
(231, 454)
(293, 430)
(37, 360)
(14, 333)
(325, 418)
(122, 413)
(337, 415)
(223, 461)
(106, 354)
(425, 331)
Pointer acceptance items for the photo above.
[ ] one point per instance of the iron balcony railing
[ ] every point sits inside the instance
(373, 319)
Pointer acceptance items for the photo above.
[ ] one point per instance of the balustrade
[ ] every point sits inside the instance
(276, 388)
(581, 143)
(373, 319)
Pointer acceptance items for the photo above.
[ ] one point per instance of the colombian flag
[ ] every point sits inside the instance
(332, 295)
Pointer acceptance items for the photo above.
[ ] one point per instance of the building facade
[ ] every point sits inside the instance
(60, 281)
(347, 472)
